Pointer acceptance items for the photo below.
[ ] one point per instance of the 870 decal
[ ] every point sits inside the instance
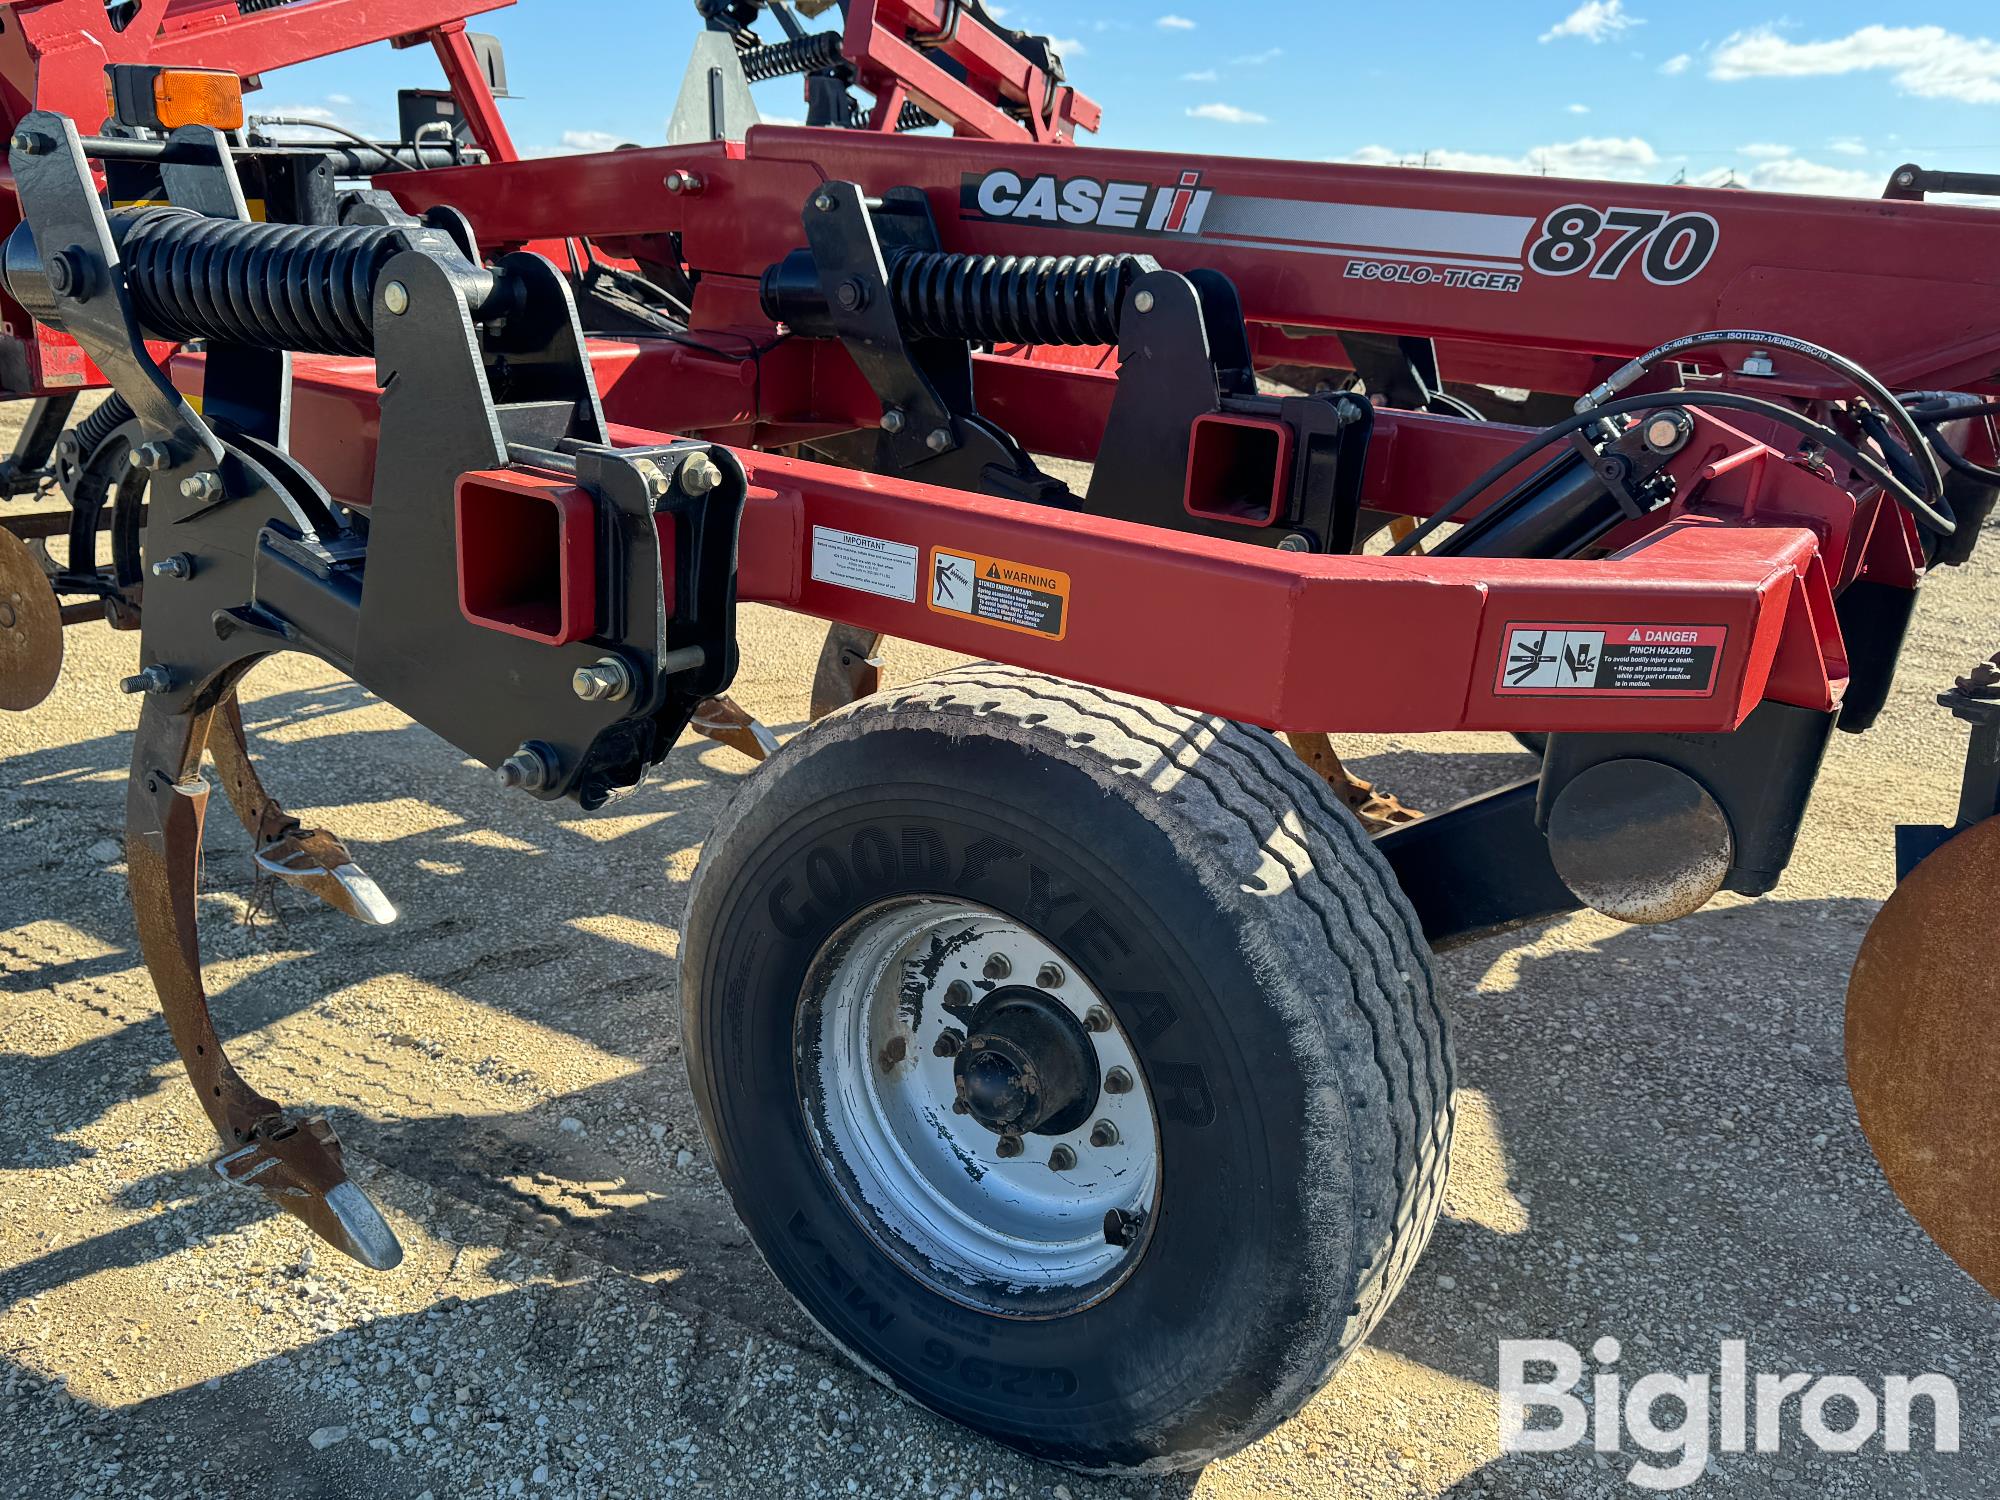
(1668, 249)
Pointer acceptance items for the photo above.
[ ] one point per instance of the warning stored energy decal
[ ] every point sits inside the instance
(1012, 595)
(1634, 661)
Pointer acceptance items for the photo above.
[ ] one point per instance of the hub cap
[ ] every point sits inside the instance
(977, 1107)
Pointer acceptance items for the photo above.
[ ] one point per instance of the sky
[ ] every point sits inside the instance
(1829, 98)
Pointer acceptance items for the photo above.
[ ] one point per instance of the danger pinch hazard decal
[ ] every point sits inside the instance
(1014, 596)
(1637, 661)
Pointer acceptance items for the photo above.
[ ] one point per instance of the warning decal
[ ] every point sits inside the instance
(1012, 595)
(1651, 661)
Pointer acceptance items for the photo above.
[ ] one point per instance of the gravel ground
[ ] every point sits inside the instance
(1656, 1142)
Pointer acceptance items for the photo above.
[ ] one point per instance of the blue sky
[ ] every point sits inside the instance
(1827, 98)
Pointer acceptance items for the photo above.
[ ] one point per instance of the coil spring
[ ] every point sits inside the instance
(251, 7)
(113, 413)
(915, 117)
(809, 54)
(1031, 299)
(307, 287)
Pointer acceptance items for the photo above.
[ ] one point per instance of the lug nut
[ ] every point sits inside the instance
(998, 966)
(180, 565)
(1103, 1134)
(526, 770)
(1050, 976)
(699, 475)
(958, 992)
(1010, 1146)
(202, 488)
(1121, 1228)
(939, 441)
(153, 679)
(1117, 1081)
(396, 297)
(150, 458)
(1097, 1019)
(950, 1044)
(1061, 1159)
(610, 681)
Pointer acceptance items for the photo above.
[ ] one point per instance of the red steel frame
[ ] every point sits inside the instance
(53, 54)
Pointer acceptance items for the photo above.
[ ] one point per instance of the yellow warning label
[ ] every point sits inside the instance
(1012, 595)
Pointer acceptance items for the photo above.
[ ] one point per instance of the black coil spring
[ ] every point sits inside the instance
(307, 287)
(809, 54)
(251, 7)
(915, 117)
(1027, 299)
(112, 413)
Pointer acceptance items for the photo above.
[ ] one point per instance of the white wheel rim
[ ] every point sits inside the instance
(1041, 1232)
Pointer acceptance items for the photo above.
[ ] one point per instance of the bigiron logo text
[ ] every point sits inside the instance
(1138, 207)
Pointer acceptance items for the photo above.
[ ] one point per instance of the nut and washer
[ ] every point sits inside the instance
(526, 770)
(153, 679)
(699, 475)
(150, 458)
(610, 681)
(203, 487)
(180, 565)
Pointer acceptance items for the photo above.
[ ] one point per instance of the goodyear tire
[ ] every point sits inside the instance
(1074, 1061)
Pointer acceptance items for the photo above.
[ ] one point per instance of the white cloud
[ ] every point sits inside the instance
(1174, 23)
(1258, 59)
(1579, 109)
(1795, 174)
(1206, 75)
(590, 140)
(1924, 60)
(1067, 47)
(1764, 151)
(1621, 159)
(1594, 21)
(1678, 64)
(1847, 145)
(1227, 114)
(339, 100)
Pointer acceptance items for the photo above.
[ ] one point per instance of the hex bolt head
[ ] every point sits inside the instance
(1143, 302)
(1097, 1019)
(824, 203)
(1117, 1081)
(1009, 1147)
(1120, 1228)
(1295, 541)
(1103, 1135)
(1061, 1159)
(1903, 179)
(150, 458)
(699, 475)
(1050, 976)
(948, 1044)
(998, 966)
(202, 488)
(526, 770)
(610, 681)
(153, 679)
(180, 565)
(939, 441)
(893, 421)
(396, 297)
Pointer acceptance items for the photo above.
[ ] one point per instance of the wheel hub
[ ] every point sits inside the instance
(1027, 1067)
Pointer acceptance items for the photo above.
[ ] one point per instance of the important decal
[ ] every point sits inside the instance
(1014, 596)
(1648, 661)
(867, 563)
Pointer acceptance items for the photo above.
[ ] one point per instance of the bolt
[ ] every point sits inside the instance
(657, 483)
(680, 180)
(610, 681)
(699, 475)
(1097, 1019)
(1143, 302)
(852, 294)
(1759, 363)
(202, 488)
(1061, 1159)
(1295, 541)
(1120, 1228)
(1050, 976)
(526, 770)
(1010, 1146)
(31, 143)
(153, 679)
(1903, 179)
(180, 565)
(958, 992)
(893, 421)
(1117, 1081)
(396, 297)
(949, 1044)
(997, 966)
(939, 441)
(824, 203)
(1103, 1134)
(150, 458)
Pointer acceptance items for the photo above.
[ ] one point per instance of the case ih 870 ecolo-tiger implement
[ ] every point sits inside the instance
(1069, 1048)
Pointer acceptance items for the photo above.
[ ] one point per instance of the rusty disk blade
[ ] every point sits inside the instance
(31, 637)
(1923, 1047)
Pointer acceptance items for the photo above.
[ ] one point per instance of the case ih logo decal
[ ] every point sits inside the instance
(1417, 247)
(1141, 207)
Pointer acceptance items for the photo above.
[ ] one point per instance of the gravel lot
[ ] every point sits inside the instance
(1656, 1142)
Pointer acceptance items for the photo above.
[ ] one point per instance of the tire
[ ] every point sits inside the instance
(1258, 961)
